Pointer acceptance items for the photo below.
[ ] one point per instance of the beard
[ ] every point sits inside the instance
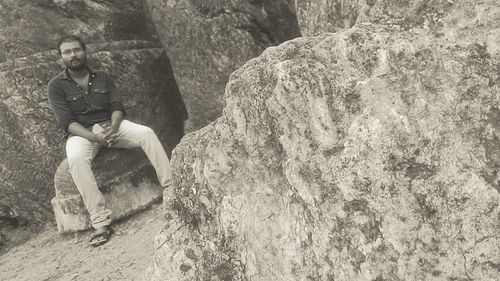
(76, 64)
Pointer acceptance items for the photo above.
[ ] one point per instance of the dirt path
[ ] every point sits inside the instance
(51, 256)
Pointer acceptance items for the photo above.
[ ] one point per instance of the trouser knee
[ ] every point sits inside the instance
(78, 160)
(148, 133)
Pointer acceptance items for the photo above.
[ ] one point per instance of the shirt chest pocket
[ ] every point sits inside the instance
(100, 97)
(76, 103)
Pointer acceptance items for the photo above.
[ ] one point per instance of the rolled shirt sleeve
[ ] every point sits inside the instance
(115, 101)
(57, 101)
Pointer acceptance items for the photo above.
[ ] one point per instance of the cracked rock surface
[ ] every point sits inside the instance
(207, 40)
(458, 21)
(360, 155)
(30, 27)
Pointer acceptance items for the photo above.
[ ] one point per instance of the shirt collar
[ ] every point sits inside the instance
(65, 76)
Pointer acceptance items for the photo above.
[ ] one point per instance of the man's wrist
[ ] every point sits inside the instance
(114, 127)
(93, 138)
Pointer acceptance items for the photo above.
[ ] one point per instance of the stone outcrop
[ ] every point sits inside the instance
(360, 155)
(31, 144)
(125, 177)
(207, 40)
(451, 20)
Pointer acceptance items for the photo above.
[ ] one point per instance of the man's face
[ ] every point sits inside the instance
(73, 55)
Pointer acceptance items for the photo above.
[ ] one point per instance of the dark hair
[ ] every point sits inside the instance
(70, 38)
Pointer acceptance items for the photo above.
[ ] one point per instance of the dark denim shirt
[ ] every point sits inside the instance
(71, 103)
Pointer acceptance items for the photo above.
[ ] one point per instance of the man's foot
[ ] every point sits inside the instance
(101, 236)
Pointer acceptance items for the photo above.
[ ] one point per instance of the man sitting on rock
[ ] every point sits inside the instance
(88, 107)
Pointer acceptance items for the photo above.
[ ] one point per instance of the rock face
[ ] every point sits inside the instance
(361, 155)
(31, 144)
(30, 27)
(456, 21)
(207, 40)
(316, 17)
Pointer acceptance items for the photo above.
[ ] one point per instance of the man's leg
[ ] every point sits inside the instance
(134, 135)
(80, 153)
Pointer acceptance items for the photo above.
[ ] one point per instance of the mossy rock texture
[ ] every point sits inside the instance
(360, 155)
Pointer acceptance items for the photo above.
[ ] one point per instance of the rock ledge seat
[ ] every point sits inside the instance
(126, 178)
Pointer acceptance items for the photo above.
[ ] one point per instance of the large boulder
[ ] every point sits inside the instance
(360, 155)
(207, 40)
(453, 20)
(31, 144)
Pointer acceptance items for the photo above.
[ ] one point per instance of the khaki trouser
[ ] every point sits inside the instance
(81, 151)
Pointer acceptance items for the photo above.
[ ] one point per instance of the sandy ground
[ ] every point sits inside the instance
(51, 256)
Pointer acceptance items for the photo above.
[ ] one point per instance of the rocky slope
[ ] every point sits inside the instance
(207, 40)
(361, 155)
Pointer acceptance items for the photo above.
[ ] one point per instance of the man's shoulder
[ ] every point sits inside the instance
(55, 85)
(100, 72)
(56, 79)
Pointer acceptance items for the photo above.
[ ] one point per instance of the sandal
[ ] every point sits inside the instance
(101, 237)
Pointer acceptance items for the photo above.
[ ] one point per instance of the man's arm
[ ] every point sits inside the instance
(59, 106)
(116, 107)
(116, 119)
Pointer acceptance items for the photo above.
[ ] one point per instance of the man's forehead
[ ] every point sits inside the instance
(70, 45)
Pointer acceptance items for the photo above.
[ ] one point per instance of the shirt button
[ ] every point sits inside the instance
(90, 83)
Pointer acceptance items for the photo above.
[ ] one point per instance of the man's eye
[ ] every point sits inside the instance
(67, 52)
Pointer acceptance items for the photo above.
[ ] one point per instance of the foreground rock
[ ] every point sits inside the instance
(31, 144)
(361, 155)
(207, 40)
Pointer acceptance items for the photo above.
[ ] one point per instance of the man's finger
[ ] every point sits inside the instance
(109, 135)
(111, 139)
